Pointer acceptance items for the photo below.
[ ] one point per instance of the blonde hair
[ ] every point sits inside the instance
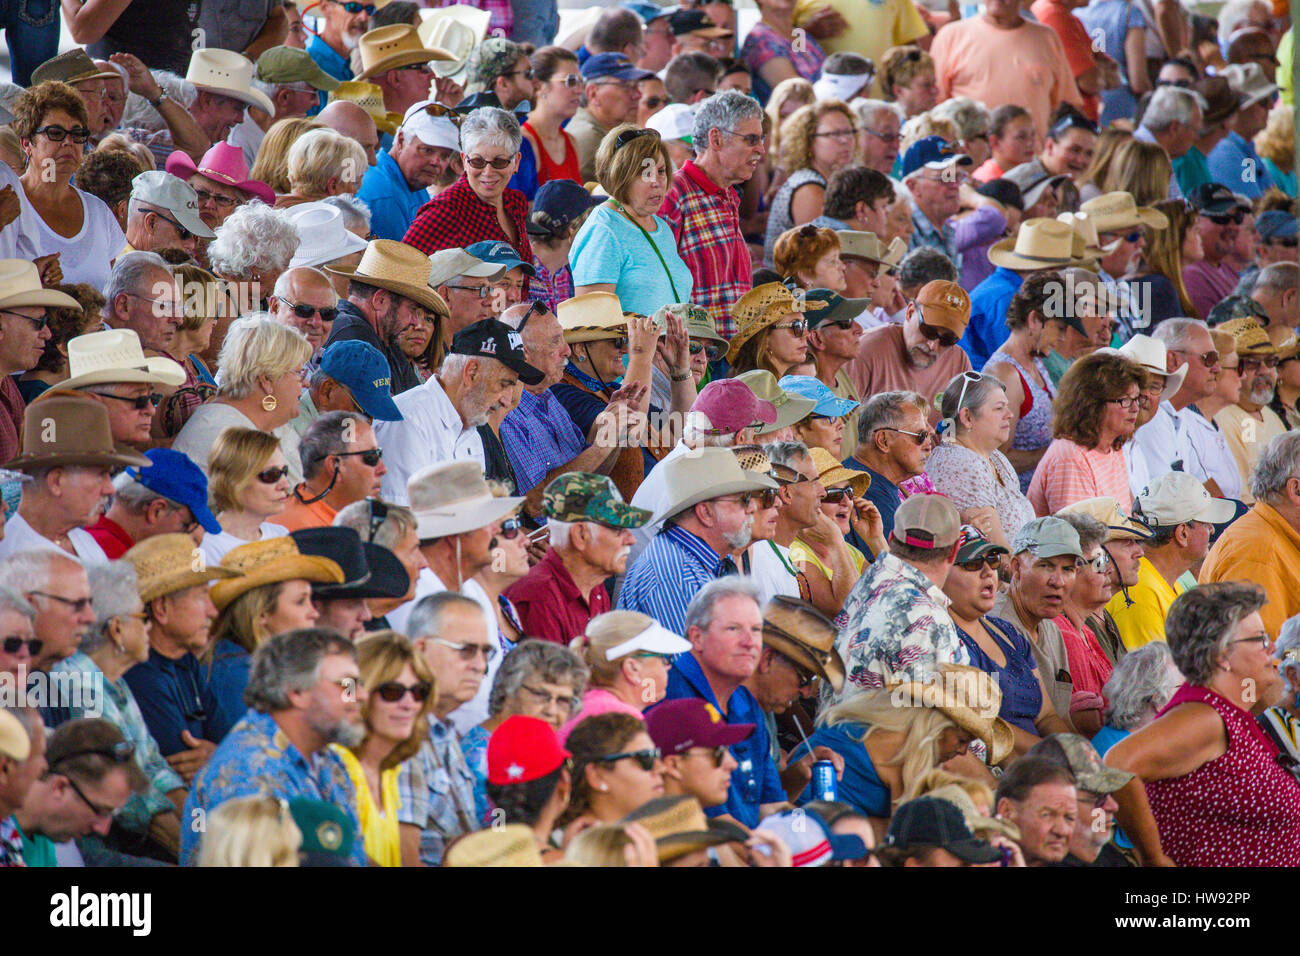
(797, 132)
(1110, 139)
(900, 65)
(1163, 254)
(381, 657)
(603, 632)
(601, 845)
(250, 831)
(792, 87)
(1276, 141)
(117, 143)
(618, 167)
(241, 620)
(235, 457)
(256, 346)
(1140, 169)
(320, 155)
(272, 163)
(938, 777)
(927, 124)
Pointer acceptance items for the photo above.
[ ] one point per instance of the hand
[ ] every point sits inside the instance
(965, 765)
(866, 520)
(189, 762)
(537, 548)
(642, 335)
(10, 206)
(49, 268)
(825, 23)
(630, 394)
(677, 345)
(981, 518)
(825, 753)
(641, 851)
(824, 531)
(1003, 842)
(139, 79)
(778, 853)
(584, 822)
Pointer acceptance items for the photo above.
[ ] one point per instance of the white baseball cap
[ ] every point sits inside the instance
(1176, 497)
(173, 195)
(448, 264)
(430, 128)
(674, 121)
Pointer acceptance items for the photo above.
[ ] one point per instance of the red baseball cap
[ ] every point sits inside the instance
(678, 725)
(731, 406)
(523, 749)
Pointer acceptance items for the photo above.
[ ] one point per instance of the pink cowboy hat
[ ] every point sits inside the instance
(222, 163)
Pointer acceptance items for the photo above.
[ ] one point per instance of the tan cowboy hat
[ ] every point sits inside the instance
(1039, 244)
(702, 475)
(165, 564)
(371, 99)
(1284, 340)
(1119, 211)
(1150, 353)
(1087, 238)
(867, 245)
(68, 429)
(114, 355)
(805, 635)
(831, 472)
(764, 306)
(389, 47)
(1120, 526)
(397, 267)
(1250, 336)
(452, 498)
(509, 845)
(269, 562)
(591, 317)
(969, 697)
(790, 408)
(679, 826)
(228, 73)
(20, 287)
(457, 29)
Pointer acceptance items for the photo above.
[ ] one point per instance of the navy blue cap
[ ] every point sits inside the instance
(933, 152)
(363, 370)
(501, 253)
(1215, 199)
(1276, 224)
(558, 202)
(616, 65)
(178, 479)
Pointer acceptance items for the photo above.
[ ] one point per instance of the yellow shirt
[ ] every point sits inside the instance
(800, 553)
(1144, 622)
(1247, 438)
(378, 824)
(874, 26)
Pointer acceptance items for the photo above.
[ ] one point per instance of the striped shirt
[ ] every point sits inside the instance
(1068, 472)
(667, 574)
(539, 436)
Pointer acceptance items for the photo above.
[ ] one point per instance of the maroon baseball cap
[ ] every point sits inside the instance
(678, 725)
(523, 749)
(730, 406)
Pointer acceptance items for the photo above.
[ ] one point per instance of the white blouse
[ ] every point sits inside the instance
(965, 477)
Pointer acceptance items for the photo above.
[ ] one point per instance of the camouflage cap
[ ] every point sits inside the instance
(493, 57)
(580, 496)
(1078, 756)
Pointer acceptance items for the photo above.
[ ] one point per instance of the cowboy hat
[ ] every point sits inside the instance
(322, 236)
(224, 164)
(1249, 82)
(399, 268)
(114, 355)
(1120, 526)
(1150, 353)
(369, 571)
(1250, 337)
(164, 564)
(591, 317)
(969, 697)
(761, 307)
(20, 287)
(387, 48)
(1087, 239)
(74, 66)
(703, 475)
(453, 498)
(790, 408)
(371, 99)
(68, 429)
(229, 74)
(509, 845)
(457, 29)
(831, 472)
(805, 635)
(679, 826)
(1039, 244)
(1119, 212)
(270, 561)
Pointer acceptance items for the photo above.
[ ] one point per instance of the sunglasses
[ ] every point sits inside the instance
(271, 475)
(975, 565)
(57, 134)
(225, 202)
(945, 337)
(139, 402)
(745, 498)
(40, 323)
(78, 606)
(478, 162)
(527, 72)
(378, 515)
(468, 652)
(510, 528)
(1097, 564)
(304, 311)
(806, 677)
(392, 691)
(718, 753)
(1236, 217)
(797, 327)
(184, 234)
(629, 135)
(646, 759)
(835, 495)
(371, 457)
(1206, 358)
(713, 349)
(1253, 363)
(12, 645)
(765, 498)
(654, 102)
(354, 8)
(570, 80)
(919, 437)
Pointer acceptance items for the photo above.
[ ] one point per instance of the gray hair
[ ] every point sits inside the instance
(1202, 621)
(255, 346)
(1277, 278)
(254, 236)
(356, 214)
(116, 591)
(11, 599)
(559, 532)
(289, 663)
(866, 110)
(129, 275)
(973, 394)
(969, 116)
(492, 126)
(787, 453)
(397, 524)
(135, 497)
(926, 264)
(700, 611)
(1177, 332)
(723, 111)
(1139, 686)
(1279, 463)
(34, 568)
(426, 616)
(552, 663)
(1091, 531)
(139, 113)
(325, 437)
(885, 410)
(697, 432)
(1170, 105)
(689, 73)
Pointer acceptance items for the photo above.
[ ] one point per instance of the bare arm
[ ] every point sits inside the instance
(596, 287)
(1135, 47)
(775, 70)
(273, 33)
(1171, 26)
(409, 837)
(165, 829)
(185, 132)
(807, 203)
(88, 22)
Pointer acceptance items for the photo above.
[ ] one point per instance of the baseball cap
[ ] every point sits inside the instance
(364, 371)
(580, 496)
(837, 308)
(490, 59)
(1176, 497)
(172, 195)
(172, 475)
(1046, 538)
(489, 338)
(558, 202)
(1214, 198)
(427, 122)
(286, 64)
(523, 749)
(327, 832)
(655, 639)
(928, 521)
(1077, 755)
(501, 254)
(1120, 526)
(828, 403)
(945, 304)
(974, 545)
(809, 839)
(648, 12)
(615, 65)
(678, 725)
(933, 152)
(447, 264)
(1032, 178)
(674, 121)
(731, 405)
(694, 20)
(929, 821)
(1003, 191)
(1276, 224)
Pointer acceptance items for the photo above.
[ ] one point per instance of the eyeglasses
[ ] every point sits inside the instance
(654, 102)
(621, 343)
(271, 475)
(57, 134)
(835, 495)
(482, 291)
(629, 135)
(713, 349)
(975, 565)
(478, 162)
(718, 753)
(569, 80)
(12, 645)
(138, 402)
(1181, 84)
(1205, 358)
(355, 8)
(528, 73)
(225, 202)
(1236, 217)
(1106, 238)
(806, 677)
(1262, 639)
(414, 68)
(510, 528)
(392, 691)
(161, 307)
(1099, 564)
(1247, 364)
(304, 311)
(104, 813)
(840, 134)
(39, 324)
(185, 234)
(467, 651)
(78, 606)
(1290, 242)
(1125, 403)
(546, 698)
(919, 437)
(945, 337)
(797, 327)
(646, 759)
(378, 515)
(371, 457)
(883, 137)
(744, 499)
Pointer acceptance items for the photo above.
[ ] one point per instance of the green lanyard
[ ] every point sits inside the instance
(617, 205)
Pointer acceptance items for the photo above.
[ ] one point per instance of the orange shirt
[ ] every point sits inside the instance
(1261, 547)
(298, 515)
(1077, 44)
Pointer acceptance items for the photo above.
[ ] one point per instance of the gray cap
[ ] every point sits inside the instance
(1047, 538)
(450, 263)
(1032, 178)
(173, 195)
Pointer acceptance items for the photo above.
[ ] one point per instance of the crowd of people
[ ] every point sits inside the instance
(433, 437)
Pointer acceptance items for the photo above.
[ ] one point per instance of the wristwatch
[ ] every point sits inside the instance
(684, 376)
(158, 102)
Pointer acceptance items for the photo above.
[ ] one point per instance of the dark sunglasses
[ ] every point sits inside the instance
(713, 349)
(478, 162)
(538, 307)
(806, 677)
(271, 475)
(392, 691)
(654, 102)
(1236, 217)
(370, 457)
(1073, 121)
(835, 495)
(304, 311)
(350, 7)
(797, 327)
(1290, 242)
(139, 402)
(1249, 363)
(944, 337)
(919, 437)
(975, 565)
(378, 515)
(510, 528)
(527, 72)
(766, 498)
(57, 134)
(646, 759)
(12, 645)
(718, 753)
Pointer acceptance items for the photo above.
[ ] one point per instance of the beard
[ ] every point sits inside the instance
(741, 537)
(348, 734)
(922, 357)
(1262, 394)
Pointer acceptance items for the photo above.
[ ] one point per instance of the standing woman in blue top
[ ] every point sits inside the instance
(624, 247)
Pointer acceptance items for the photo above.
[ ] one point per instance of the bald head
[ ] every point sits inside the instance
(349, 119)
(299, 289)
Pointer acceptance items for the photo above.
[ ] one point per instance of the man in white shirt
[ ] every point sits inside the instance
(1152, 450)
(440, 419)
(798, 505)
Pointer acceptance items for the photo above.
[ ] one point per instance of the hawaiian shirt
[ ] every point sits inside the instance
(11, 844)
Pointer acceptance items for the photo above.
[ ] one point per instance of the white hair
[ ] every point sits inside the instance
(254, 236)
(1170, 105)
(492, 126)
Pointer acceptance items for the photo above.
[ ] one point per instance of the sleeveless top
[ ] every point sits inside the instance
(1240, 809)
(547, 168)
(1022, 695)
(1034, 430)
(779, 217)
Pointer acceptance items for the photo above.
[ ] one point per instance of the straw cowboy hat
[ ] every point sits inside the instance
(1039, 244)
(1285, 341)
(762, 307)
(1119, 212)
(229, 74)
(114, 355)
(790, 408)
(223, 163)
(68, 429)
(703, 475)
(397, 267)
(679, 826)
(969, 697)
(165, 564)
(1087, 239)
(20, 287)
(269, 562)
(831, 472)
(389, 47)
(1119, 526)
(1150, 353)
(1250, 337)
(371, 99)
(458, 29)
(453, 498)
(805, 635)
(591, 317)
(509, 845)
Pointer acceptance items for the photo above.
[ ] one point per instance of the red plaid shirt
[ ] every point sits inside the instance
(457, 217)
(705, 218)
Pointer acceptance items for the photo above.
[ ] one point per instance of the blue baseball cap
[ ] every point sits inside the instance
(828, 403)
(648, 12)
(616, 65)
(363, 370)
(558, 202)
(933, 152)
(1276, 224)
(177, 479)
(501, 254)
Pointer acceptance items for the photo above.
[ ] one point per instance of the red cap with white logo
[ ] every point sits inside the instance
(523, 749)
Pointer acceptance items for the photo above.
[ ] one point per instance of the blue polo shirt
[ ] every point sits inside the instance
(882, 493)
(393, 204)
(1235, 163)
(988, 315)
(177, 695)
(329, 61)
(756, 781)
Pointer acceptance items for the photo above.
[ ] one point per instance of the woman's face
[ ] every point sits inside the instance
(1091, 587)
(509, 555)
(414, 339)
(653, 678)
(45, 154)
(834, 139)
(1288, 373)
(646, 193)
(840, 511)
(1016, 145)
(1118, 420)
(262, 499)
(293, 608)
(606, 358)
(972, 587)
(828, 273)
(977, 148)
(1193, 245)
(900, 221)
(822, 431)
(489, 183)
(536, 697)
(1252, 660)
(919, 96)
(990, 425)
(395, 721)
(952, 742)
(1229, 386)
(628, 785)
(653, 98)
(784, 345)
(559, 98)
(1048, 337)
(287, 390)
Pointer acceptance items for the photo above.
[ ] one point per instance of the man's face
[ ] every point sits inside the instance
(509, 289)
(1071, 154)
(401, 314)
(421, 164)
(1202, 376)
(190, 620)
(879, 141)
(15, 628)
(1042, 583)
(467, 303)
(903, 448)
(1126, 555)
(613, 101)
(608, 548)
(491, 389)
(922, 350)
(20, 781)
(129, 424)
(85, 489)
(348, 616)
(861, 279)
(736, 157)
(1094, 824)
(779, 682)
(733, 642)
(545, 348)
(459, 673)
(79, 808)
(1217, 238)
(307, 291)
(333, 709)
(801, 501)
(94, 93)
(657, 39)
(937, 192)
(516, 84)
(700, 774)
(357, 479)
(346, 27)
(734, 520)
(63, 613)
(1046, 818)
(1258, 379)
(836, 340)
(153, 312)
(405, 86)
(216, 200)
(220, 114)
(22, 341)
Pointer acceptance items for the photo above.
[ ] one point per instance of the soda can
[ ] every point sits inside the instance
(823, 780)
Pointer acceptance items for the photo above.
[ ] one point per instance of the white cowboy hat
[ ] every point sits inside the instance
(322, 237)
(458, 29)
(702, 475)
(453, 498)
(228, 73)
(114, 355)
(1150, 353)
(20, 287)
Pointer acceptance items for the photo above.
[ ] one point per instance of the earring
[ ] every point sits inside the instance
(604, 788)
(269, 403)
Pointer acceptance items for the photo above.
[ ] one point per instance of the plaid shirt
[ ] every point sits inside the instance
(539, 435)
(550, 288)
(436, 787)
(457, 217)
(705, 218)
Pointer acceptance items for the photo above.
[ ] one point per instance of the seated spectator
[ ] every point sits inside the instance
(930, 831)
(1248, 425)
(304, 299)
(397, 185)
(248, 485)
(369, 573)
(251, 831)
(392, 528)
(253, 246)
(557, 213)
(65, 323)
(558, 97)
(192, 338)
(696, 749)
(894, 443)
(792, 510)
(529, 776)
(1236, 152)
(611, 97)
(1084, 602)
(22, 757)
(1038, 796)
(1011, 142)
(616, 769)
(771, 330)
(63, 613)
(352, 377)
(1277, 290)
(809, 257)
(824, 426)
(163, 214)
(168, 496)
(220, 181)
(1209, 278)
(322, 163)
(342, 463)
(817, 555)
(272, 163)
(331, 232)
(20, 645)
(1139, 688)
(1124, 540)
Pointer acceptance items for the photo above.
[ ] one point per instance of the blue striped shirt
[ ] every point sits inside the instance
(540, 436)
(666, 576)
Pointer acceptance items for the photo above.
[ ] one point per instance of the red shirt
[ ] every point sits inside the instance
(457, 217)
(1078, 45)
(110, 536)
(12, 409)
(549, 603)
(547, 168)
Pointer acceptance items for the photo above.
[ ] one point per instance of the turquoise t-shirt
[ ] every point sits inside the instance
(37, 849)
(610, 249)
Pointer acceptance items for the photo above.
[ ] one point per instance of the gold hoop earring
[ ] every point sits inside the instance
(269, 403)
